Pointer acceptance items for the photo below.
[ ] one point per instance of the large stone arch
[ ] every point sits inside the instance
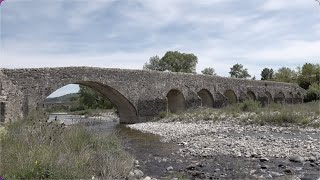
(231, 96)
(206, 98)
(127, 111)
(279, 97)
(176, 101)
(251, 95)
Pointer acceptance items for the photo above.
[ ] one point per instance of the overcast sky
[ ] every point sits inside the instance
(124, 34)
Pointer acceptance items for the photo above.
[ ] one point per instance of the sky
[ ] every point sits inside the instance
(126, 33)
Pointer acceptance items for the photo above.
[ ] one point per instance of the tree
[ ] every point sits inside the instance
(267, 74)
(173, 61)
(285, 74)
(309, 74)
(91, 99)
(313, 93)
(238, 71)
(154, 64)
(209, 71)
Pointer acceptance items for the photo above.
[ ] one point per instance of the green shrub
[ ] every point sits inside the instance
(163, 114)
(36, 149)
(250, 106)
(281, 118)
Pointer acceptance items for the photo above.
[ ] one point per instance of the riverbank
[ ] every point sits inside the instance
(228, 145)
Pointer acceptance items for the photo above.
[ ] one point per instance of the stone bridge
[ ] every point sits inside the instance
(139, 95)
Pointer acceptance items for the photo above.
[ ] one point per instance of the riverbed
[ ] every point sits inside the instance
(214, 150)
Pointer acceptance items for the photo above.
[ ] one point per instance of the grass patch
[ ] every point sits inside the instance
(307, 114)
(36, 149)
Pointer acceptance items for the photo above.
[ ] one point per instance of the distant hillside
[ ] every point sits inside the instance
(62, 99)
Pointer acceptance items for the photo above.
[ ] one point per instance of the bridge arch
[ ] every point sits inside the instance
(127, 111)
(231, 95)
(297, 98)
(251, 95)
(279, 97)
(176, 101)
(206, 98)
(290, 98)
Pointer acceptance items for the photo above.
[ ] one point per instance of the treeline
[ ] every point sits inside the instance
(307, 76)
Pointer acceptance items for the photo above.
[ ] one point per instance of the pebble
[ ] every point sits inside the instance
(138, 173)
(263, 159)
(297, 159)
(206, 138)
(147, 178)
(170, 168)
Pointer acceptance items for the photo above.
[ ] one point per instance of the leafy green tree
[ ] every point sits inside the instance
(285, 74)
(313, 93)
(309, 74)
(209, 71)
(238, 71)
(154, 64)
(92, 99)
(173, 61)
(267, 74)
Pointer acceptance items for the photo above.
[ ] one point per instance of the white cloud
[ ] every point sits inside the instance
(270, 5)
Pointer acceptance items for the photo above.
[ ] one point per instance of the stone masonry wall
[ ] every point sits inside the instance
(139, 95)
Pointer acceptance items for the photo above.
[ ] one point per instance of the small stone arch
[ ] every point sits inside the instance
(279, 97)
(251, 95)
(176, 101)
(290, 98)
(206, 98)
(297, 98)
(231, 95)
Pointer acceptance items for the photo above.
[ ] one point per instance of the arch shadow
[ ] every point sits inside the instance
(251, 95)
(176, 101)
(231, 95)
(206, 98)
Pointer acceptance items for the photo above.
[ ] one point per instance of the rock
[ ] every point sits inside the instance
(288, 171)
(297, 159)
(136, 162)
(191, 167)
(239, 154)
(131, 176)
(264, 166)
(147, 178)
(276, 174)
(311, 159)
(170, 168)
(138, 173)
(263, 159)
(282, 166)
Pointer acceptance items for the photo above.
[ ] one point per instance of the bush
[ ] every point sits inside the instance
(250, 106)
(36, 149)
(281, 118)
